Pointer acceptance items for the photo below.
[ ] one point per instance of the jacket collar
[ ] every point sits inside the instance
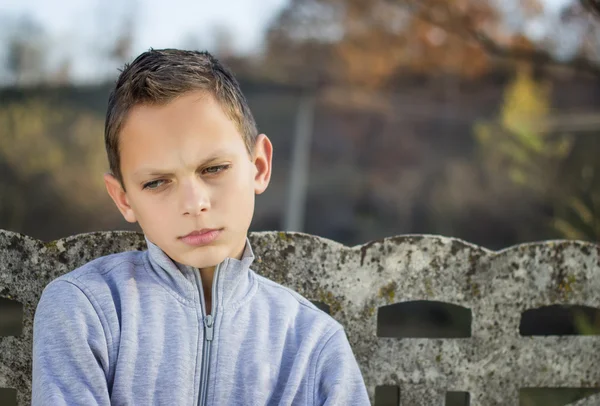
(235, 282)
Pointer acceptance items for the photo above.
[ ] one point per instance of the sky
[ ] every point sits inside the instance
(158, 24)
(79, 30)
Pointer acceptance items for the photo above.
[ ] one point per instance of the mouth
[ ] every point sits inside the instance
(201, 237)
(200, 232)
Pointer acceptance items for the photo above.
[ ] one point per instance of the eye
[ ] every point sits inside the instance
(213, 170)
(153, 185)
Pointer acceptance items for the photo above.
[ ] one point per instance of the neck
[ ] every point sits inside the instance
(207, 275)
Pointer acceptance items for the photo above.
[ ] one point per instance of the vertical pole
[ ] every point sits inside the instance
(300, 165)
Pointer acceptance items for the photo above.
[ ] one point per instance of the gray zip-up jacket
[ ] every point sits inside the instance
(132, 329)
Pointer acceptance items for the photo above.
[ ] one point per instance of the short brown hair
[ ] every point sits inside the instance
(158, 76)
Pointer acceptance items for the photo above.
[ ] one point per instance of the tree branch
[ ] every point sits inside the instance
(464, 28)
(536, 56)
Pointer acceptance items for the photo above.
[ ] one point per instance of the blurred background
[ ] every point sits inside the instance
(476, 119)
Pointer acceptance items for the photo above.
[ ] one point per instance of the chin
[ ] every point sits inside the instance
(205, 257)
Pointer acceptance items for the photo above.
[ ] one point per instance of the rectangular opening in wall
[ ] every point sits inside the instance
(11, 318)
(553, 396)
(387, 395)
(424, 319)
(560, 320)
(458, 399)
(8, 397)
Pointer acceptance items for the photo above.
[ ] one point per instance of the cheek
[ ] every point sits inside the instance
(151, 209)
(239, 186)
(238, 197)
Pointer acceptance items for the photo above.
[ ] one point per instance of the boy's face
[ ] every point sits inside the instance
(186, 169)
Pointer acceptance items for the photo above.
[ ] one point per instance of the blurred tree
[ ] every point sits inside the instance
(223, 41)
(58, 152)
(122, 48)
(368, 43)
(548, 165)
(62, 75)
(114, 35)
(26, 52)
(578, 214)
(518, 143)
(25, 144)
(299, 42)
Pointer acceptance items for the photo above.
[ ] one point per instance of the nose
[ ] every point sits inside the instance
(195, 197)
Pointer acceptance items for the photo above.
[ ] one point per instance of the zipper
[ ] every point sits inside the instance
(208, 321)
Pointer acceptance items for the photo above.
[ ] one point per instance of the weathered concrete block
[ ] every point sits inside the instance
(355, 282)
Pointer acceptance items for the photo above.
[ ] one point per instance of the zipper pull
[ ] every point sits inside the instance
(208, 327)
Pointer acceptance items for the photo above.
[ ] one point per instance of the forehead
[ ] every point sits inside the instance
(189, 128)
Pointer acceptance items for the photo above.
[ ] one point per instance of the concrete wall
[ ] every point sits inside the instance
(489, 291)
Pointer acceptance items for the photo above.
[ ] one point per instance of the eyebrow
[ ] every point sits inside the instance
(147, 171)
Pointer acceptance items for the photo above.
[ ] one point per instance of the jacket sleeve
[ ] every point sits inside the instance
(338, 378)
(70, 351)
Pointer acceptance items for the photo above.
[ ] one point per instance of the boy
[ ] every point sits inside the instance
(186, 322)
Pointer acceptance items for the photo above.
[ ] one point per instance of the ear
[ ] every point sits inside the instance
(119, 196)
(262, 160)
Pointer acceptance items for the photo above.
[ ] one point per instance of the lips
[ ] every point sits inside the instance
(201, 237)
(200, 232)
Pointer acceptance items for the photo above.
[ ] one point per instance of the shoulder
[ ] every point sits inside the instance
(107, 264)
(288, 301)
(104, 273)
